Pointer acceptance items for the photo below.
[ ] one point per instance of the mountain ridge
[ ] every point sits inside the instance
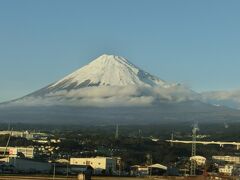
(110, 88)
(108, 80)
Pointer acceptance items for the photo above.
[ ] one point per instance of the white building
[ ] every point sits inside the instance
(27, 152)
(99, 164)
(200, 160)
(138, 170)
(26, 134)
(226, 170)
(22, 134)
(229, 159)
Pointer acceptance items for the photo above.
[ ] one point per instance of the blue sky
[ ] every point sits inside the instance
(196, 43)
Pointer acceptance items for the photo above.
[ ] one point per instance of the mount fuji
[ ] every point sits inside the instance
(108, 70)
(108, 81)
(110, 89)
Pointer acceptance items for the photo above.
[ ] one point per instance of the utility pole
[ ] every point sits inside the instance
(119, 164)
(9, 125)
(193, 162)
(54, 170)
(9, 137)
(149, 163)
(139, 133)
(117, 133)
(68, 165)
(172, 139)
(67, 170)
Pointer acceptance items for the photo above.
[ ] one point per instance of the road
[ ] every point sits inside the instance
(220, 143)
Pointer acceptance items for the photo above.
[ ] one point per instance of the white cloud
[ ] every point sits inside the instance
(111, 96)
(227, 98)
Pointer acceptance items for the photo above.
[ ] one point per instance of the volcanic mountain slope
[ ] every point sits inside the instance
(108, 81)
(108, 89)
(227, 98)
(108, 70)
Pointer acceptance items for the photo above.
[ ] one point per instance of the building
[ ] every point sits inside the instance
(226, 170)
(73, 169)
(27, 152)
(229, 159)
(22, 165)
(200, 160)
(100, 165)
(22, 134)
(41, 141)
(62, 161)
(138, 170)
(26, 134)
(154, 169)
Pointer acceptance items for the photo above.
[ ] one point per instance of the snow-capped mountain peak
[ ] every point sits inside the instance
(110, 88)
(108, 81)
(108, 70)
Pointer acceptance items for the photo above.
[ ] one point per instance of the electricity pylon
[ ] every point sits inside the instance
(194, 149)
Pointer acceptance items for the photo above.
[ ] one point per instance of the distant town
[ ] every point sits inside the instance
(120, 151)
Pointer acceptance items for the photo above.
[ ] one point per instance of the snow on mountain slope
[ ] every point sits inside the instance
(109, 70)
(111, 89)
(108, 81)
